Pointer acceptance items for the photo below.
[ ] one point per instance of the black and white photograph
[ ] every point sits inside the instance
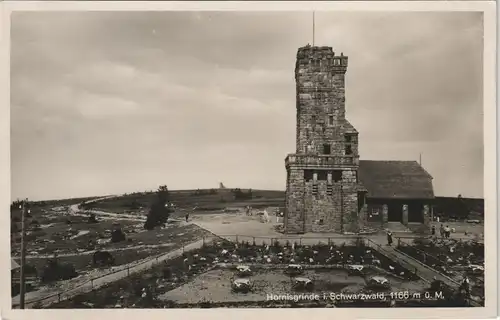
(211, 158)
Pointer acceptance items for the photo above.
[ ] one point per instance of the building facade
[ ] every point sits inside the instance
(399, 196)
(324, 190)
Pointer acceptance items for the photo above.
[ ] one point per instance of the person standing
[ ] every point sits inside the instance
(433, 230)
(447, 232)
(465, 286)
(389, 238)
(441, 231)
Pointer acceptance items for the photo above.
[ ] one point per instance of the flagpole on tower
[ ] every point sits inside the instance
(314, 22)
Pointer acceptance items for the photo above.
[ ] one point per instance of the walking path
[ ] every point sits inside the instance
(59, 255)
(423, 271)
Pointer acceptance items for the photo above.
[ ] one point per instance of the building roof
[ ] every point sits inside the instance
(395, 179)
(14, 265)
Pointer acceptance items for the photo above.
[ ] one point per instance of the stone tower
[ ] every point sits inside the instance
(322, 176)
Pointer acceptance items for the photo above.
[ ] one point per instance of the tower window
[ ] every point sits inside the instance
(330, 120)
(308, 175)
(348, 138)
(313, 119)
(322, 175)
(337, 175)
(348, 149)
(327, 149)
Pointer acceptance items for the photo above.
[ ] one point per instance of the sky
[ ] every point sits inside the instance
(118, 102)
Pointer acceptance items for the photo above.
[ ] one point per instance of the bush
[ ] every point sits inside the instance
(103, 258)
(240, 195)
(92, 218)
(55, 271)
(117, 236)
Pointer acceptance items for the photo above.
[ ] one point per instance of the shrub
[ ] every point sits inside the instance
(55, 271)
(92, 218)
(103, 258)
(117, 236)
(277, 244)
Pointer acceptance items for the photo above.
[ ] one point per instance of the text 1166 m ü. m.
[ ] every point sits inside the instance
(405, 295)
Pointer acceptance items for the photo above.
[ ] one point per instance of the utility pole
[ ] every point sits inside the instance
(23, 254)
(341, 207)
(420, 158)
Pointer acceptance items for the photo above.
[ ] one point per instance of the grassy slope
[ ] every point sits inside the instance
(261, 198)
(187, 199)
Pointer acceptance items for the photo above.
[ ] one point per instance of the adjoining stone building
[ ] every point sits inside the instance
(328, 188)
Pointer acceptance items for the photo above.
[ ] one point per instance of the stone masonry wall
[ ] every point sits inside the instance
(320, 85)
(332, 208)
(322, 205)
(294, 217)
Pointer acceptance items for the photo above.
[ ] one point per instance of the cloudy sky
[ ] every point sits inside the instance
(106, 103)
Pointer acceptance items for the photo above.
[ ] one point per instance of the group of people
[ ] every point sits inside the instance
(444, 232)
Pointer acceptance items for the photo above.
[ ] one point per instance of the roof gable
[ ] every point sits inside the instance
(395, 179)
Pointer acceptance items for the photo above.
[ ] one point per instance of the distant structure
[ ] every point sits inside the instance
(221, 186)
(328, 189)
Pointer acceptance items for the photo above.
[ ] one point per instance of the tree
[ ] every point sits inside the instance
(159, 211)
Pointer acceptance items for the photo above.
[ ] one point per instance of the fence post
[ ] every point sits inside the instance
(182, 249)
(329, 241)
(128, 270)
(59, 297)
(300, 241)
(253, 241)
(203, 240)
(236, 239)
